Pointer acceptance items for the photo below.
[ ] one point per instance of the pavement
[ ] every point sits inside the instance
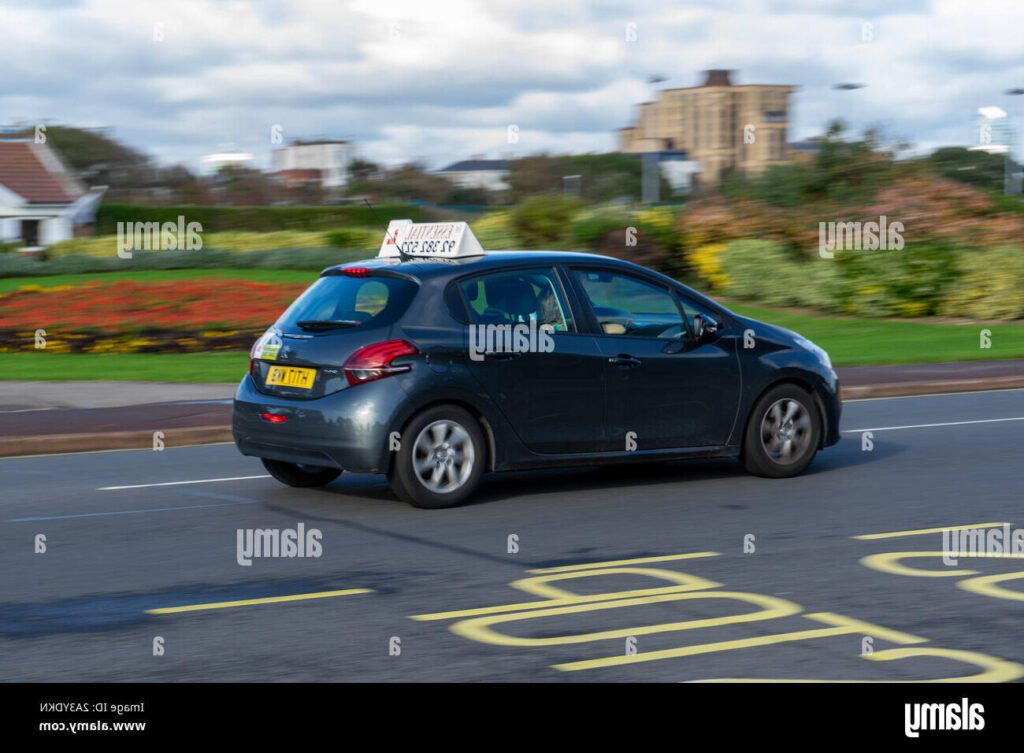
(131, 566)
(43, 417)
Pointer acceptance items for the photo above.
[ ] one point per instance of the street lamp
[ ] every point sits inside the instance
(1009, 181)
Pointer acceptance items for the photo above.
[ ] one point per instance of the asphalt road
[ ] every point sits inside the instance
(798, 600)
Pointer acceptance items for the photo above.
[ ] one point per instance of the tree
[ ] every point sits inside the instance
(975, 168)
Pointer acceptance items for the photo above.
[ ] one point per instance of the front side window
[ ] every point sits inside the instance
(627, 305)
(517, 296)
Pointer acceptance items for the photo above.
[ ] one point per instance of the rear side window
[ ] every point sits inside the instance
(517, 296)
(341, 302)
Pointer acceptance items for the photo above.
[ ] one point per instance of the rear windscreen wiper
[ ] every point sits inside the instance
(319, 325)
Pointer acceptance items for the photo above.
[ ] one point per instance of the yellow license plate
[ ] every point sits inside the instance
(291, 376)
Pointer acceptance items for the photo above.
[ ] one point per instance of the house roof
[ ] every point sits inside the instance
(472, 165)
(35, 173)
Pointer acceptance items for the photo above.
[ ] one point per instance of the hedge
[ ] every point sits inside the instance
(261, 219)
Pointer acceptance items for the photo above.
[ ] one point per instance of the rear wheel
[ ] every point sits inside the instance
(783, 433)
(441, 460)
(294, 474)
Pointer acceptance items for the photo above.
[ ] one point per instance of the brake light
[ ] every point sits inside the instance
(274, 418)
(356, 271)
(375, 361)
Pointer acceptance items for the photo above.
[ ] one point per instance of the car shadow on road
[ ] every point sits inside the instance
(625, 476)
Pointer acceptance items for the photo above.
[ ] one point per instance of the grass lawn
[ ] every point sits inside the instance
(139, 367)
(853, 342)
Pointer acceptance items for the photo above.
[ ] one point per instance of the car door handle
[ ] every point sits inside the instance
(502, 355)
(624, 360)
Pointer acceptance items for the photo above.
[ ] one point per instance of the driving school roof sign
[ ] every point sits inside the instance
(444, 240)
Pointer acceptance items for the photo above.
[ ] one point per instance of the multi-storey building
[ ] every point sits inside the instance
(721, 125)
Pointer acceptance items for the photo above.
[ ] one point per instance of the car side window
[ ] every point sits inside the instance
(517, 296)
(627, 305)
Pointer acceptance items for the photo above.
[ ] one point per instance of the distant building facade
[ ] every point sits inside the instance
(41, 201)
(721, 125)
(324, 162)
(489, 174)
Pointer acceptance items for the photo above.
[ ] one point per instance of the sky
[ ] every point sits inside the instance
(442, 80)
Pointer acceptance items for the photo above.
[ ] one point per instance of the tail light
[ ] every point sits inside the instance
(375, 361)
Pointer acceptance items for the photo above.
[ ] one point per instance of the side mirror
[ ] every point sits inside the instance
(705, 328)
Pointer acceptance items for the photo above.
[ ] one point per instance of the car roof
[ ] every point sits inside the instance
(425, 267)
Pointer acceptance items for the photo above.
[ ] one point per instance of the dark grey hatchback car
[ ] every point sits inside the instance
(435, 363)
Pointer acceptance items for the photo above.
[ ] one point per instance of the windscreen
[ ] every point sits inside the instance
(343, 302)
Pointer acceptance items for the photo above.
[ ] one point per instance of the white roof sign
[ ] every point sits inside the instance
(443, 240)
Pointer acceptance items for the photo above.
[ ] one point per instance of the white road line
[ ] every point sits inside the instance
(180, 483)
(929, 426)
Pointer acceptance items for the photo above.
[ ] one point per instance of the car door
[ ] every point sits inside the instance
(548, 382)
(664, 388)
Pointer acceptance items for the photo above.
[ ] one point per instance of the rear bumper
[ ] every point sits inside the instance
(349, 429)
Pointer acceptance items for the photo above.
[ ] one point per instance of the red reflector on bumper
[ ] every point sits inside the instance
(274, 418)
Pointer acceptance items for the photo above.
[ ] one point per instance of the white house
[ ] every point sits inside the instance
(41, 202)
(324, 162)
(489, 174)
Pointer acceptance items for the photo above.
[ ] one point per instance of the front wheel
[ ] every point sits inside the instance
(441, 459)
(783, 433)
(294, 474)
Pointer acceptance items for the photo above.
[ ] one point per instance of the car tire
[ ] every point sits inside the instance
(300, 475)
(441, 459)
(783, 433)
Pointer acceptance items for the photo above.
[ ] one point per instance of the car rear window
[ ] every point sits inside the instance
(357, 301)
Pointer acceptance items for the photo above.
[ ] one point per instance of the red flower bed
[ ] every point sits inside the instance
(126, 306)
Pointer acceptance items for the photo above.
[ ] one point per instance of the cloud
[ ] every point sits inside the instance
(439, 81)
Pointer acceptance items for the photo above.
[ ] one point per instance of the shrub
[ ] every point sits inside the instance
(494, 231)
(905, 283)
(544, 220)
(766, 272)
(707, 261)
(991, 285)
(590, 229)
(360, 238)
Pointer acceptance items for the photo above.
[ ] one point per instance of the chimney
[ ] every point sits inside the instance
(717, 77)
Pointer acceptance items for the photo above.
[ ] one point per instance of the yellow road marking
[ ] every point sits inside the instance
(890, 562)
(557, 597)
(481, 628)
(842, 626)
(253, 602)
(612, 563)
(986, 586)
(923, 531)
